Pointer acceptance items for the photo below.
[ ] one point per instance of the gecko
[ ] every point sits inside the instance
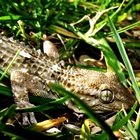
(32, 70)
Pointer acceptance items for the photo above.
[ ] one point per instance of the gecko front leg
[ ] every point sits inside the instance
(19, 81)
(24, 83)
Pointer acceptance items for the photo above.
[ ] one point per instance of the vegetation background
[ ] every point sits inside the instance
(77, 27)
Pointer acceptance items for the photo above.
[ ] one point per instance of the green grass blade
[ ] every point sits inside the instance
(13, 60)
(120, 123)
(15, 17)
(45, 106)
(126, 28)
(10, 112)
(5, 91)
(125, 59)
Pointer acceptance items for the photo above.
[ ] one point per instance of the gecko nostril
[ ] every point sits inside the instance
(106, 96)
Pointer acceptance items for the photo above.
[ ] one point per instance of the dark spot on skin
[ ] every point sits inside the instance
(1, 60)
(68, 85)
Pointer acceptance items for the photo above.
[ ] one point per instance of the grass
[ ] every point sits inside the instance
(72, 24)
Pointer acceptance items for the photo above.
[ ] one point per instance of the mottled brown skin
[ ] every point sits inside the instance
(33, 70)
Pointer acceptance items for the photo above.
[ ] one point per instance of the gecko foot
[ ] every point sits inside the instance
(27, 117)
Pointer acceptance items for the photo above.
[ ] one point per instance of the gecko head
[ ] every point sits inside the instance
(102, 92)
(109, 95)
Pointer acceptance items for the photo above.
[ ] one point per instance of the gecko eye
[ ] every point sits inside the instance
(106, 96)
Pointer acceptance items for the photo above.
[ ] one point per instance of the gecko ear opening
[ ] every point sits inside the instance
(106, 96)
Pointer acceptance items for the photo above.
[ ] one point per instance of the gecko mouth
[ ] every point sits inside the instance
(104, 109)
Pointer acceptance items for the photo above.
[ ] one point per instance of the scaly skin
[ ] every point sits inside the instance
(33, 70)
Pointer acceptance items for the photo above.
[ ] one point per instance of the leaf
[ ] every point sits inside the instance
(125, 59)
